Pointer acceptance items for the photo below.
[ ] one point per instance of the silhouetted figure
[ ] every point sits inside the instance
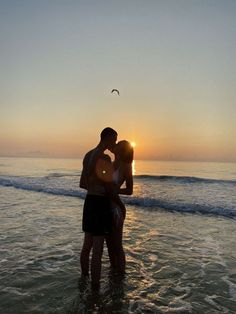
(123, 180)
(96, 178)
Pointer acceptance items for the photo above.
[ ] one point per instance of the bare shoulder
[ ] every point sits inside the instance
(87, 157)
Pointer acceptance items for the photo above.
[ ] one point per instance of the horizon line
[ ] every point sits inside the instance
(135, 159)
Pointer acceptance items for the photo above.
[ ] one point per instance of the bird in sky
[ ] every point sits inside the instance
(115, 90)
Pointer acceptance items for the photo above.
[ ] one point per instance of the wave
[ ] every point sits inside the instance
(61, 174)
(153, 203)
(148, 203)
(182, 179)
(38, 185)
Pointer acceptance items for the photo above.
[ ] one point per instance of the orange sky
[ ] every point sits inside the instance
(173, 62)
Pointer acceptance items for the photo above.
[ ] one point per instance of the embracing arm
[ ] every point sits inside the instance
(128, 190)
(83, 184)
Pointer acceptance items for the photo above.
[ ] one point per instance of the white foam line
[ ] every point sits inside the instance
(232, 287)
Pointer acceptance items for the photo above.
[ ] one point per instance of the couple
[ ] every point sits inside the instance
(104, 212)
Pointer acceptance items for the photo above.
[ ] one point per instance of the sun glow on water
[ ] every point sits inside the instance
(133, 167)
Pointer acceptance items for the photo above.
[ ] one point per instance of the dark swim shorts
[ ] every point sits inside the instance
(97, 215)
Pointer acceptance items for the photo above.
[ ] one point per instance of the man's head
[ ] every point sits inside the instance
(109, 137)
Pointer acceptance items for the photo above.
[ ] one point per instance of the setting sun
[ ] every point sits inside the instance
(133, 144)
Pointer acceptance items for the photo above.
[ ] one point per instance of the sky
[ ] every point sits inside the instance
(173, 62)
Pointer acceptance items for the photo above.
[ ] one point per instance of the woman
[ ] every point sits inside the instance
(122, 174)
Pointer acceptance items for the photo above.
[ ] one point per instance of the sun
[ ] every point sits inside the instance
(133, 144)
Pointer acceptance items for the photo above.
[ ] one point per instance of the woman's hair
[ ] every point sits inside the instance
(126, 151)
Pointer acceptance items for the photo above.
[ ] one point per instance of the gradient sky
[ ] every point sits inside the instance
(173, 62)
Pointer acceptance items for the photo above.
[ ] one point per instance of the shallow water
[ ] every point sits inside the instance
(207, 188)
(176, 262)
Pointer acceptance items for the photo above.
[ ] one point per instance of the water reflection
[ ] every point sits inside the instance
(133, 167)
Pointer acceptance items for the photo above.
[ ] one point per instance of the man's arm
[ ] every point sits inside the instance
(83, 184)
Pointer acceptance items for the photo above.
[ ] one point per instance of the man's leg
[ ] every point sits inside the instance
(85, 252)
(96, 263)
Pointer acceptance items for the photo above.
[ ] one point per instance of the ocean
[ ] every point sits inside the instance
(179, 239)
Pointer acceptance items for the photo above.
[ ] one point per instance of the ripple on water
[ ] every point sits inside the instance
(173, 264)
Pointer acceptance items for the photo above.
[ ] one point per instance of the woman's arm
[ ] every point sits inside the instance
(128, 190)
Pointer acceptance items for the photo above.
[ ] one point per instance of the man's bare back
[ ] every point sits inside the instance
(97, 170)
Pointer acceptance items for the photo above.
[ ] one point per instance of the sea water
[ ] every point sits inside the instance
(179, 238)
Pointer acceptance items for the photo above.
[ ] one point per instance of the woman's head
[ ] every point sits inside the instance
(124, 151)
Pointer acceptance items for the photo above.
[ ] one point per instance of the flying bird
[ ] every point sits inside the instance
(115, 90)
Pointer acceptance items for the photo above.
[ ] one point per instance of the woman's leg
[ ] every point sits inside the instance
(121, 261)
(85, 252)
(96, 263)
(115, 248)
(111, 249)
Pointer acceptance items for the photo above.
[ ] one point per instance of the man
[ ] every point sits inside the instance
(96, 178)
